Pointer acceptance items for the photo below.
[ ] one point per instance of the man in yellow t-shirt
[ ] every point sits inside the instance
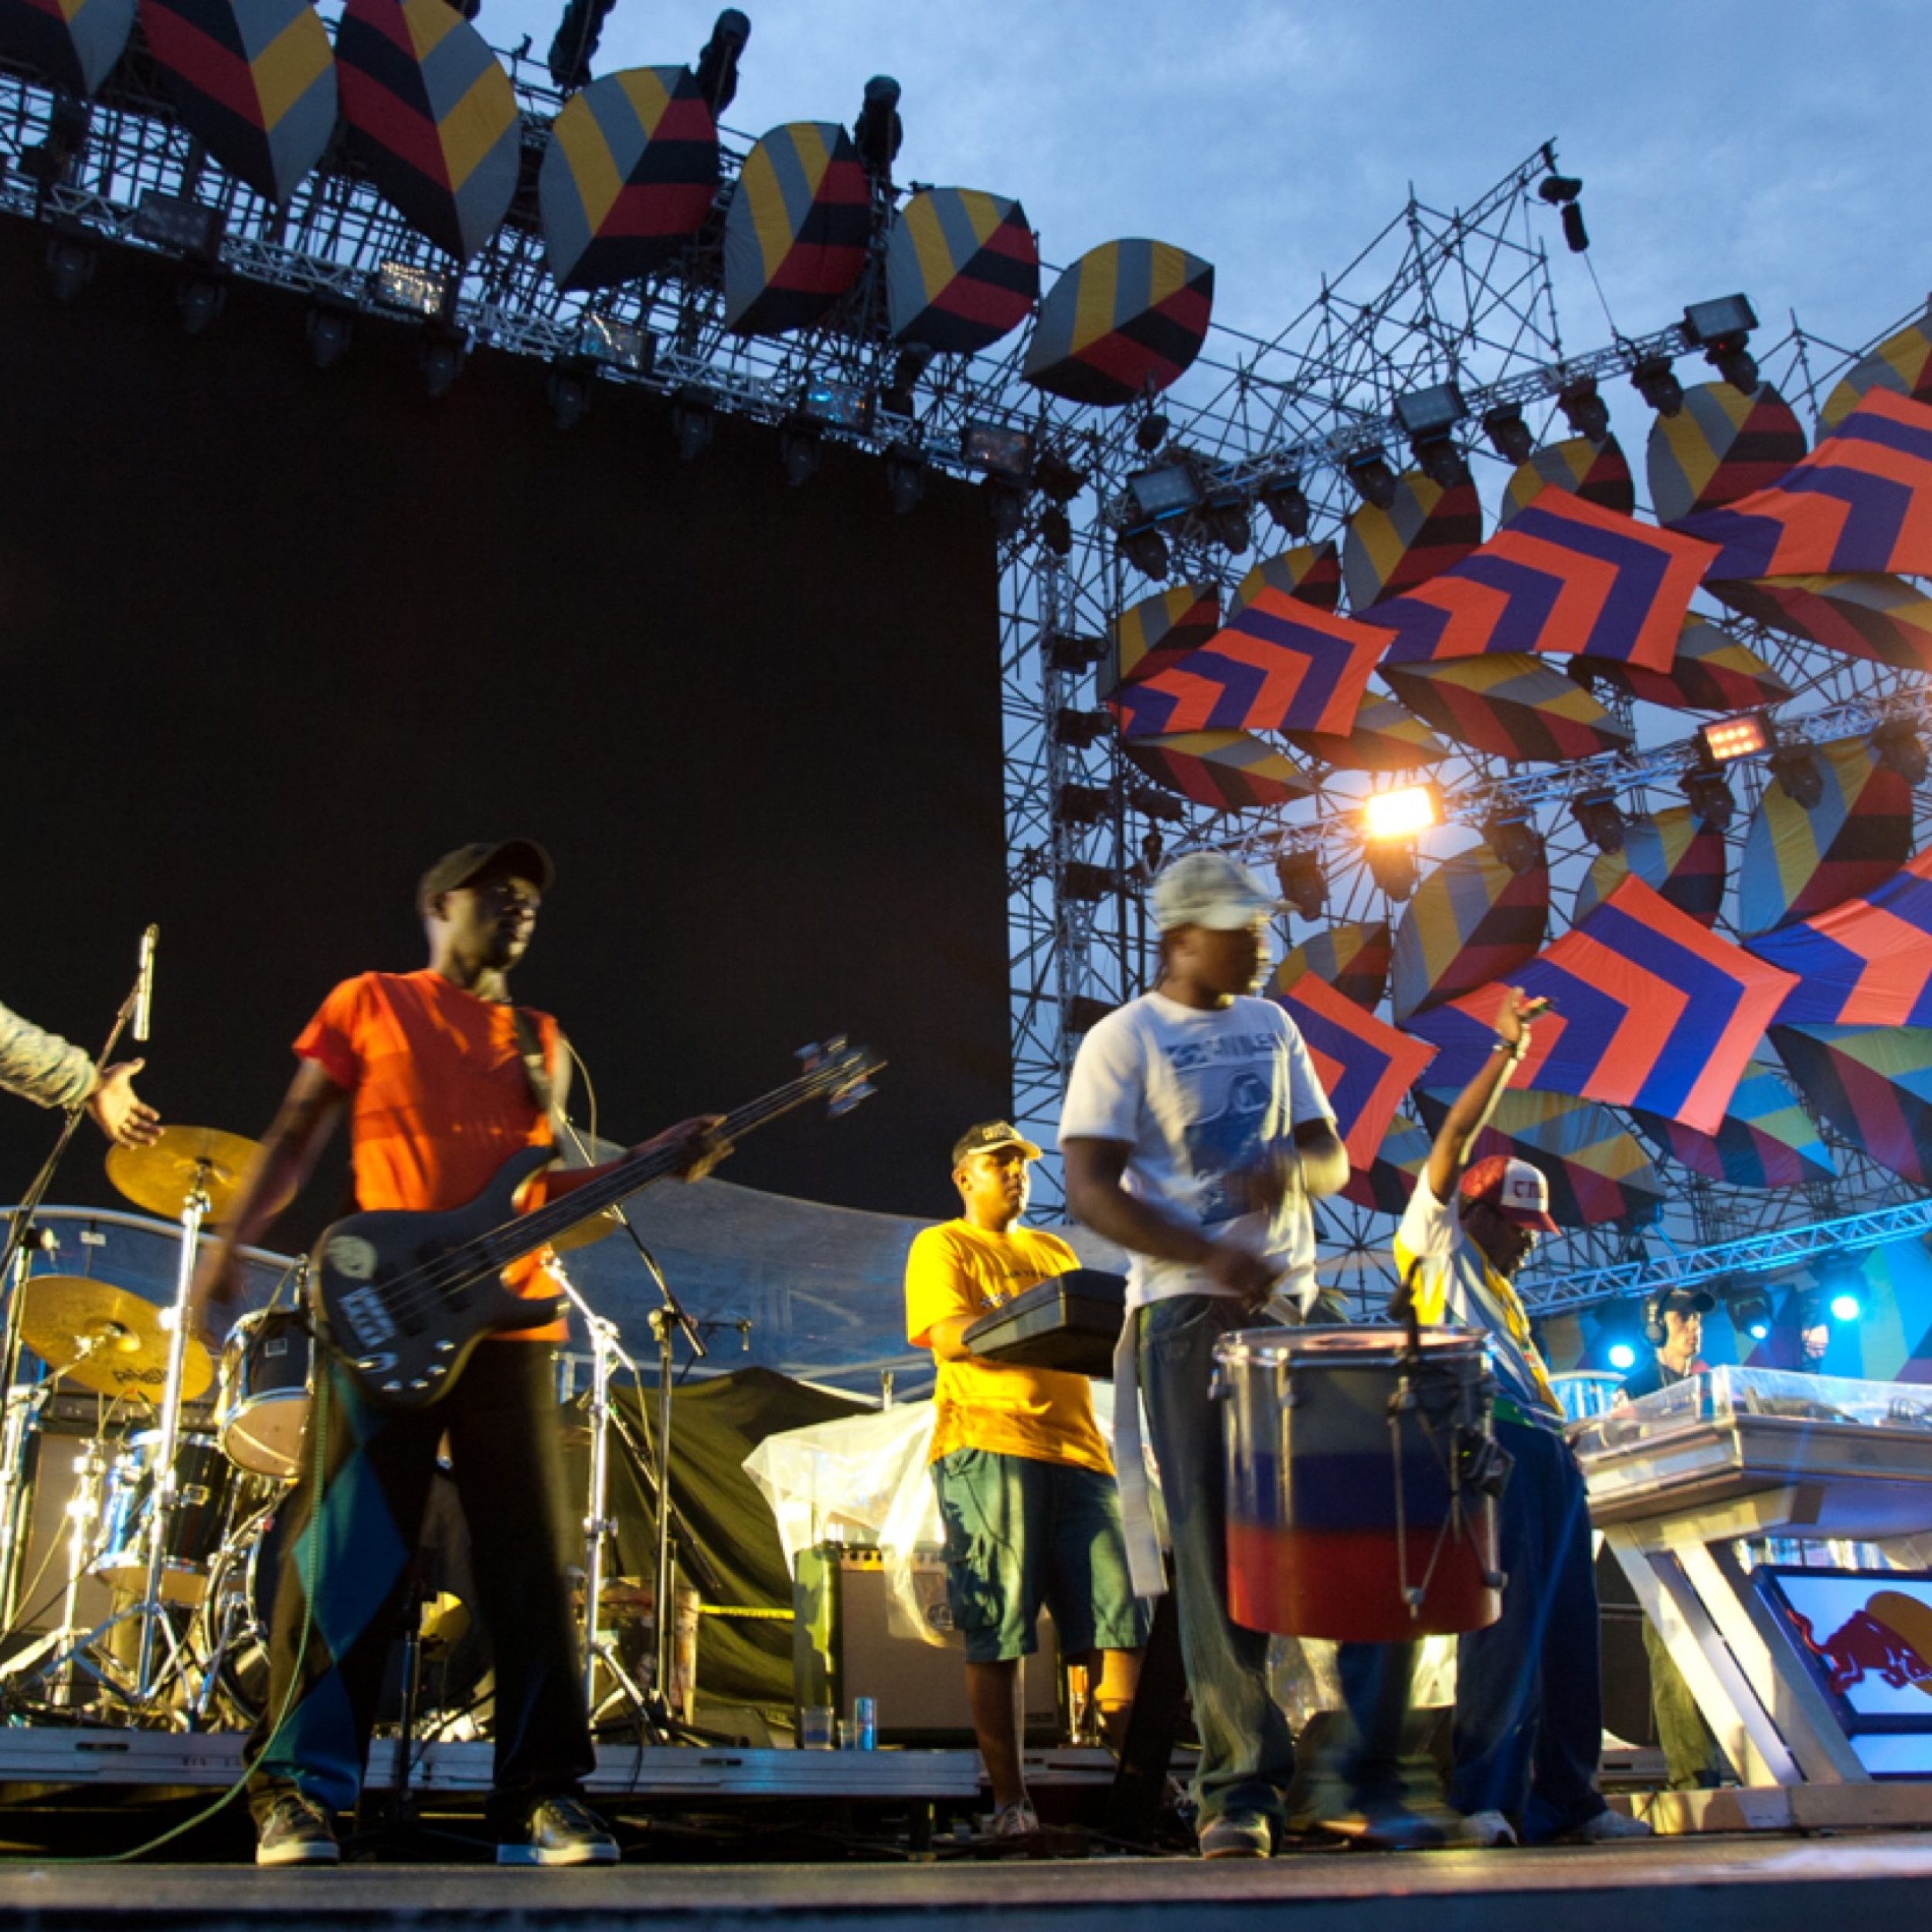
(1024, 1481)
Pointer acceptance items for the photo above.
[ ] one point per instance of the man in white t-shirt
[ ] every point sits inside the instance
(1195, 1134)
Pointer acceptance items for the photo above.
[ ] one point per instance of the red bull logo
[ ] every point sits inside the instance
(1890, 1639)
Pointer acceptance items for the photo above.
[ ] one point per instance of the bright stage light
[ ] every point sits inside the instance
(1734, 738)
(1846, 1307)
(1401, 814)
(1622, 1356)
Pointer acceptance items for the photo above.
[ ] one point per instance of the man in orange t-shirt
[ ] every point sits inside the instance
(429, 1069)
(1025, 1479)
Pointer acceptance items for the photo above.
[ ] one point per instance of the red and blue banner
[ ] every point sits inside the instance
(1649, 1010)
(1383, 738)
(1563, 575)
(1765, 1140)
(1472, 921)
(1672, 853)
(1424, 530)
(1156, 633)
(1384, 1184)
(1865, 963)
(1352, 958)
(1365, 1066)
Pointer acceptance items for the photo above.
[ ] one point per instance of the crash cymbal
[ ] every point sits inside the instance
(161, 1177)
(599, 1224)
(105, 1338)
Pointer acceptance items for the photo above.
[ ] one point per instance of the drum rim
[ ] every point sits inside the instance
(1366, 1347)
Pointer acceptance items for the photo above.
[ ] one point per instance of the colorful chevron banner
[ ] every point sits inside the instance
(1127, 318)
(1599, 473)
(1861, 501)
(794, 237)
(1797, 863)
(1424, 530)
(1766, 1138)
(1865, 963)
(1721, 445)
(1512, 705)
(1224, 771)
(1157, 634)
(1564, 575)
(1864, 616)
(1384, 1184)
(1312, 572)
(1902, 363)
(1713, 671)
(962, 268)
(75, 43)
(1651, 1011)
(1365, 1066)
(1873, 1084)
(1280, 664)
(1472, 921)
(1383, 738)
(1353, 959)
(1673, 854)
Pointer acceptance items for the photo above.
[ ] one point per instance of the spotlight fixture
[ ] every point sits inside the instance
(1401, 814)
(1740, 738)
(1897, 746)
(608, 343)
(1508, 434)
(1795, 767)
(441, 358)
(1068, 651)
(1394, 868)
(1558, 190)
(1722, 328)
(1601, 818)
(1281, 496)
(1084, 805)
(1080, 729)
(1150, 432)
(330, 327)
(1228, 522)
(897, 397)
(1584, 409)
(1512, 836)
(1846, 1306)
(1440, 461)
(575, 41)
(905, 476)
(1057, 477)
(1303, 883)
(1057, 530)
(188, 227)
(568, 390)
(1655, 380)
(879, 132)
(998, 450)
(844, 405)
(1750, 1312)
(1159, 495)
(1091, 883)
(800, 449)
(1152, 803)
(1374, 481)
(1146, 549)
(71, 262)
(1710, 798)
(1427, 416)
(694, 415)
(403, 285)
(1006, 505)
(1621, 1356)
(1619, 1330)
(716, 73)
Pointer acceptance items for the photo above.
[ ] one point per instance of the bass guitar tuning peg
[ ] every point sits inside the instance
(847, 1098)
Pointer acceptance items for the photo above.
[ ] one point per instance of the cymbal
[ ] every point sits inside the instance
(105, 1338)
(603, 1223)
(161, 1177)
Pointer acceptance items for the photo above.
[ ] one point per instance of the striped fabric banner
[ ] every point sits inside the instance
(962, 269)
(75, 43)
(1312, 572)
(1127, 317)
(1471, 921)
(1873, 1084)
(1861, 501)
(1713, 671)
(1365, 1066)
(1511, 706)
(795, 234)
(1878, 617)
(1766, 1138)
(1224, 771)
(1649, 1010)
(1600, 474)
(1424, 530)
(1385, 1184)
(1672, 853)
(1865, 963)
(1353, 959)
(1383, 738)
(1564, 575)
(1157, 634)
(1901, 363)
(1721, 445)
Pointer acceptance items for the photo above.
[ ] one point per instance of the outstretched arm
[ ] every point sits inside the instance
(1470, 1114)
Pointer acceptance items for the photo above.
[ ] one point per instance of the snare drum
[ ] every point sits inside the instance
(262, 1409)
(194, 1531)
(1331, 1513)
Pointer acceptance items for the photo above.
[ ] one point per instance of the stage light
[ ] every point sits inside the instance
(1068, 651)
(1601, 818)
(1576, 235)
(717, 70)
(1006, 505)
(575, 41)
(1512, 836)
(1583, 409)
(1153, 803)
(1374, 481)
(188, 227)
(1442, 462)
(1750, 1312)
(694, 415)
(1228, 523)
(1394, 868)
(1734, 738)
(1846, 1306)
(878, 131)
(1281, 496)
(611, 343)
(198, 300)
(330, 327)
(1508, 434)
(1897, 746)
(1558, 190)
(1084, 805)
(1721, 328)
(998, 450)
(1655, 380)
(1710, 798)
(1796, 769)
(1057, 477)
(1434, 411)
(1159, 495)
(1621, 1356)
(843, 404)
(71, 262)
(800, 449)
(1303, 883)
(1401, 814)
(1057, 530)
(905, 476)
(1150, 432)
(568, 390)
(1619, 1333)
(1080, 729)
(1089, 884)
(441, 358)
(1146, 550)
(897, 397)
(403, 285)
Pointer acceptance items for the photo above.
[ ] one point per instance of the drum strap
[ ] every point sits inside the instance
(1144, 1564)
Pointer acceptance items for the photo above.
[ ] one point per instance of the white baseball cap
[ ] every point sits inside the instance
(1211, 890)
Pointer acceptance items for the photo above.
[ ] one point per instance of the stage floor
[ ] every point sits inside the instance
(1759, 1885)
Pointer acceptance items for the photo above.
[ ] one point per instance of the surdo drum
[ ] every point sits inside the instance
(1361, 1476)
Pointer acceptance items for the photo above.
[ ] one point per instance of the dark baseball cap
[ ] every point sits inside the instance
(1688, 1300)
(523, 856)
(987, 1136)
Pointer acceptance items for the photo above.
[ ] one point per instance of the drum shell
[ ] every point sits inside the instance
(201, 1476)
(266, 1385)
(1312, 1472)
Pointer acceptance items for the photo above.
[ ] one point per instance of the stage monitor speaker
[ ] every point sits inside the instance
(844, 1645)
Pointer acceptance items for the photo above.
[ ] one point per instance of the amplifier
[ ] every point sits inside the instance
(1070, 1321)
(844, 1646)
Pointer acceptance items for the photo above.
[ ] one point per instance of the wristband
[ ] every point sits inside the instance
(1517, 1050)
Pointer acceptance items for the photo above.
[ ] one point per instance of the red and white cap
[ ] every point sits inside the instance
(1513, 1187)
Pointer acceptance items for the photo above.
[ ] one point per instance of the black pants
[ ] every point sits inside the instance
(361, 1548)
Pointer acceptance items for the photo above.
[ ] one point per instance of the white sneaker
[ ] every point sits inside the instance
(1607, 1828)
(1486, 1828)
(1017, 1820)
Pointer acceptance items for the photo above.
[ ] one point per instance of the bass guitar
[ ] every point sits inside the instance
(403, 1298)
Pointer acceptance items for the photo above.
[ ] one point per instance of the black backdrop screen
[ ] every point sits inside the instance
(276, 637)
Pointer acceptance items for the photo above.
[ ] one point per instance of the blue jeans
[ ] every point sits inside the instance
(1247, 1757)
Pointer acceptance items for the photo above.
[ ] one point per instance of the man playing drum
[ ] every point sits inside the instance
(1528, 1721)
(1195, 1133)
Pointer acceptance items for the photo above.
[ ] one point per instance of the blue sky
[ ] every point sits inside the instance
(1768, 147)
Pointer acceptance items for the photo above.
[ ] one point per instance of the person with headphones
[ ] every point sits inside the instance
(1674, 1328)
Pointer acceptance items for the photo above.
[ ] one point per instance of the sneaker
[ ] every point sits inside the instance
(1017, 1820)
(1486, 1828)
(295, 1831)
(561, 1831)
(1607, 1828)
(1238, 1834)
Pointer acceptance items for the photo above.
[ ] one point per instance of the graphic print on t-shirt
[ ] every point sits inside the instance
(1226, 1141)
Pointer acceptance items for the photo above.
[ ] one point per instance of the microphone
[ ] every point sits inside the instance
(144, 986)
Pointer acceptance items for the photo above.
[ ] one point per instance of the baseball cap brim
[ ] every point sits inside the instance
(1527, 1217)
